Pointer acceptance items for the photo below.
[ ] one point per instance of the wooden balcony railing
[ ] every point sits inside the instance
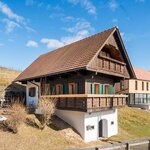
(111, 65)
(88, 102)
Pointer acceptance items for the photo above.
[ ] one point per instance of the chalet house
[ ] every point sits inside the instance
(139, 89)
(84, 77)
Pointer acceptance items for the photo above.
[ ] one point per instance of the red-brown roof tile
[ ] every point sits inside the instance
(142, 74)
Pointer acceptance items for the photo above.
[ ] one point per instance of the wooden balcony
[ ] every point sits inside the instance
(110, 66)
(88, 102)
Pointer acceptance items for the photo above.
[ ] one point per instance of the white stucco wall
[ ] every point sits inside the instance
(108, 129)
(73, 118)
(80, 121)
(32, 100)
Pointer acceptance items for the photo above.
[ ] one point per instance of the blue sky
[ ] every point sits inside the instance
(29, 28)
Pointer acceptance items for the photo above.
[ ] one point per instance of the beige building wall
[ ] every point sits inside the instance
(139, 86)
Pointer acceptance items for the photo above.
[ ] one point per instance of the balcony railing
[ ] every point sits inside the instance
(88, 102)
(111, 65)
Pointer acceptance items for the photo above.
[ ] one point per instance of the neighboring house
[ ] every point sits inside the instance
(139, 89)
(84, 77)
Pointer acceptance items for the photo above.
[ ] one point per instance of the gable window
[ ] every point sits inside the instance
(143, 86)
(147, 86)
(32, 92)
(136, 85)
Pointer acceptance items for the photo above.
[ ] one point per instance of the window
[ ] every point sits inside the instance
(143, 86)
(122, 86)
(45, 87)
(89, 127)
(73, 88)
(147, 86)
(97, 88)
(59, 89)
(32, 92)
(136, 85)
(53, 90)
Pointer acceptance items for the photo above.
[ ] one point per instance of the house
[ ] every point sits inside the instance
(84, 77)
(139, 89)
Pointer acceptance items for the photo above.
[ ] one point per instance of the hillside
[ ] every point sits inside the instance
(6, 77)
(133, 123)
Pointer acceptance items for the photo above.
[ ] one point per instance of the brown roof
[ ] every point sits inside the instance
(142, 74)
(70, 57)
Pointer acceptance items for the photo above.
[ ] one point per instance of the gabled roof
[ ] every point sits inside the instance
(71, 57)
(142, 74)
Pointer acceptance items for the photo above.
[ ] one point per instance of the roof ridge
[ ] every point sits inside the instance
(115, 27)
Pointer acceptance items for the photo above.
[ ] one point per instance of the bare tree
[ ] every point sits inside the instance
(47, 108)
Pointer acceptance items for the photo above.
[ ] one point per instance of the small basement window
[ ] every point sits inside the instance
(32, 91)
(112, 122)
(89, 127)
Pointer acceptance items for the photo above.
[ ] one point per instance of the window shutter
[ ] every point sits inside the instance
(110, 89)
(103, 88)
(65, 89)
(53, 89)
(93, 89)
(77, 88)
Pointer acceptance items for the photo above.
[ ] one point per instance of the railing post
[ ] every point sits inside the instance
(128, 146)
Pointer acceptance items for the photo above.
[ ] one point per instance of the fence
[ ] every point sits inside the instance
(140, 144)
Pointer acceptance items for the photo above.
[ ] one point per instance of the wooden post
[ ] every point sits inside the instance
(128, 146)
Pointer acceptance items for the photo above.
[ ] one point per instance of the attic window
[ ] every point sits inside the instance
(32, 91)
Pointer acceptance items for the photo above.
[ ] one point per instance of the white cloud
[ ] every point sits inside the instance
(9, 13)
(32, 43)
(80, 25)
(113, 5)
(10, 25)
(78, 36)
(87, 4)
(81, 30)
(13, 20)
(52, 43)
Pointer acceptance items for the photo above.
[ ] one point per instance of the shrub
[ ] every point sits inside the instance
(47, 108)
(17, 117)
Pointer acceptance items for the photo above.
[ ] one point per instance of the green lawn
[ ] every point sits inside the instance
(133, 123)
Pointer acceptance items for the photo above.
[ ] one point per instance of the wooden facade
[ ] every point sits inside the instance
(89, 102)
(86, 75)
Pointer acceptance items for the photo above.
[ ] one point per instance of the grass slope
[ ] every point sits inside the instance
(7, 75)
(133, 123)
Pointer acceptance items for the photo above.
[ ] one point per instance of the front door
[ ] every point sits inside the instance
(100, 128)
